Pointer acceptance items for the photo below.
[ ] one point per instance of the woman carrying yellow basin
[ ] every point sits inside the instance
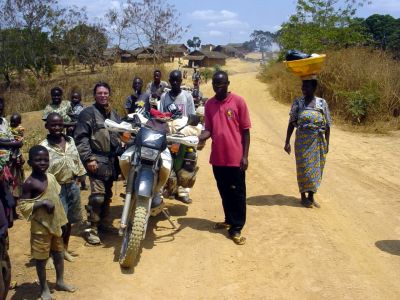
(311, 118)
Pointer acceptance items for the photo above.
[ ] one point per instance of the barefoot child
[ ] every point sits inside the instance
(66, 166)
(40, 204)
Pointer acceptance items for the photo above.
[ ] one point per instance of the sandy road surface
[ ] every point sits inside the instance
(348, 249)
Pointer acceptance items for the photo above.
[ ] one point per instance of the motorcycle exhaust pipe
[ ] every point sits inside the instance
(127, 204)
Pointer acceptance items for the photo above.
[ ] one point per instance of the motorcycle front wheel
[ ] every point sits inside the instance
(132, 239)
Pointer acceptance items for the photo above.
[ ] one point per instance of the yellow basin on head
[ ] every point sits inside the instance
(306, 66)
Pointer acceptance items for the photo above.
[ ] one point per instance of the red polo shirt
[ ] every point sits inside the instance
(226, 121)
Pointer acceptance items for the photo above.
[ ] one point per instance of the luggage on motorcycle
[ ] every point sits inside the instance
(187, 179)
(189, 160)
(158, 125)
(178, 158)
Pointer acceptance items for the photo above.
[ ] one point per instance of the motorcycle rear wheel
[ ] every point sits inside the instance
(133, 236)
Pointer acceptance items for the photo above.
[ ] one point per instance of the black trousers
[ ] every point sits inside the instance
(231, 183)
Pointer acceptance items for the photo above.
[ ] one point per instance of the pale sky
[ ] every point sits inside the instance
(225, 21)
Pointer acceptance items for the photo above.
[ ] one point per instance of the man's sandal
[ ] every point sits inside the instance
(238, 239)
(221, 225)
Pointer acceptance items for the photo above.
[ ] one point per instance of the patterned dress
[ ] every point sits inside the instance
(16, 162)
(310, 144)
(64, 109)
(6, 135)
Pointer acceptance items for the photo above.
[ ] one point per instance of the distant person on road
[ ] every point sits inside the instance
(196, 76)
(310, 115)
(138, 100)
(227, 122)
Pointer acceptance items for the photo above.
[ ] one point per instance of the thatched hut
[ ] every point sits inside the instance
(205, 58)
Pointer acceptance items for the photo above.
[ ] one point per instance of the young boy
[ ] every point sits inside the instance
(41, 205)
(17, 161)
(66, 166)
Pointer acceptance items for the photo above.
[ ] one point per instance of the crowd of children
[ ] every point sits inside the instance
(50, 197)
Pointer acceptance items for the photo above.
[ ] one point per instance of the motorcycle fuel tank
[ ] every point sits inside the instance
(147, 137)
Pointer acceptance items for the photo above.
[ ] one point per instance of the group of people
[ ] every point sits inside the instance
(78, 144)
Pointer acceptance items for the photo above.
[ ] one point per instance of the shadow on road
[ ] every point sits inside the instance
(200, 224)
(389, 246)
(153, 235)
(271, 200)
(27, 291)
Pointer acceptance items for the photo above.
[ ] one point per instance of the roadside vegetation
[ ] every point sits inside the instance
(360, 76)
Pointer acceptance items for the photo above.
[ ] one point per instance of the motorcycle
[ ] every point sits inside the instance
(149, 165)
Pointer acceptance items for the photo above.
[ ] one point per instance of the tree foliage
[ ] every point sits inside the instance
(318, 25)
(87, 44)
(262, 40)
(384, 30)
(194, 43)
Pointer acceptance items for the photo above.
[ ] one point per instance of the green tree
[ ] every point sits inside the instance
(262, 40)
(63, 49)
(194, 43)
(318, 25)
(10, 56)
(87, 44)
(29, 22)
(382, 28)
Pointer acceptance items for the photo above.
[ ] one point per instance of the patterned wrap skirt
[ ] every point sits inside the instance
(310, 149)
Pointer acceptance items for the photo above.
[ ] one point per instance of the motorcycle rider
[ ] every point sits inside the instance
(98, 149)
(178, 100)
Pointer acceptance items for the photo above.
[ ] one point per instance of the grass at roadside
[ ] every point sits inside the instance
(360, 85)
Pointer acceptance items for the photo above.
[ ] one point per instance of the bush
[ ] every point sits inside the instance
(359, 84)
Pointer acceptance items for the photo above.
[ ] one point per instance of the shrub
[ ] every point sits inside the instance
(360, 85)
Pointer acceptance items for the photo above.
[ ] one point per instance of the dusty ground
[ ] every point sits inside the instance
(348, 249)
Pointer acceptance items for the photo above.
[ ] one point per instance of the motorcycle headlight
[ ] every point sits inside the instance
(148, 153)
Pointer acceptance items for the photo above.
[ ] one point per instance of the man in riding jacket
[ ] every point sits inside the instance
(98, 149)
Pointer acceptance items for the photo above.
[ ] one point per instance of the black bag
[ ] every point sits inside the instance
(296, 55)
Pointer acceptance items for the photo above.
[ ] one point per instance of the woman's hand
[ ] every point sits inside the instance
(287, 148)
(92, 166)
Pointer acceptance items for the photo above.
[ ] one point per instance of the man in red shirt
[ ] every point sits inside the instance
(228, 124)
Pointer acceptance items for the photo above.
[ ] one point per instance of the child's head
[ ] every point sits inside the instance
(39, 159)
(56, 95)
(54, 124)
(15, 120)
(75, 97)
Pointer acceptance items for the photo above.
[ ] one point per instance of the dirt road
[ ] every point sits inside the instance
(347, 249)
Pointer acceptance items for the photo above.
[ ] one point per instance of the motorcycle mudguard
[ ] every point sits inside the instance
(144, 183)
